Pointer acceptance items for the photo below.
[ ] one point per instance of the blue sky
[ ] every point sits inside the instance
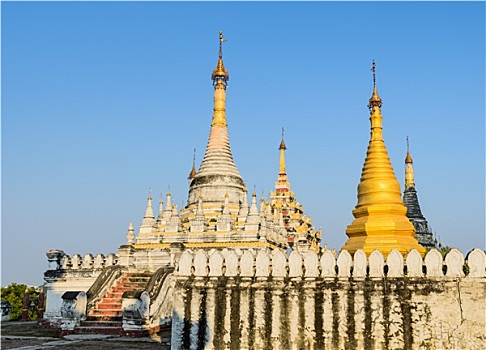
(102, 100)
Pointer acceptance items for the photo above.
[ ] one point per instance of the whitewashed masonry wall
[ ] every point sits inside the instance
(266, 300)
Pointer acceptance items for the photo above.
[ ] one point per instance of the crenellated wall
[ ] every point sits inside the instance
(264, 299)
(76, 273)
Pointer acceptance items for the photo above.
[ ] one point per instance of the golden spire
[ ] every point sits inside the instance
(282, 185)
(380, 215)
(220, 79)
(192, 174)
(409, 176)
(282, 149)
(218, 173)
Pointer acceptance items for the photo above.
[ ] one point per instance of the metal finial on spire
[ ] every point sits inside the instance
(373, 69)
(408, 158)
(150, 192)
(375, 100)
(220, 71)
(282, 143)
(221, 41)
(192, 174)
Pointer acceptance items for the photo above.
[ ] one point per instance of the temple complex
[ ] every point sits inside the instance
(217, 214)
(227, 273)
(423, 231)
(380, 215)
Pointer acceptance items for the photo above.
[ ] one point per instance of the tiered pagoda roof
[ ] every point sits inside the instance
(380, 215)
(217, 214)
(423, 231)
(300, 232)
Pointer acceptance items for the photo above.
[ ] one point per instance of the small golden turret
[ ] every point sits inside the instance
(409, 176)
(380, 215)
(282, 185)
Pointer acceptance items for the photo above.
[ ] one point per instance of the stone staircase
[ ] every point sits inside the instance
(106, 317)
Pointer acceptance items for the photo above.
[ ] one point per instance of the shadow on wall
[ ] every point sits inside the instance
(195, 335)
(267, 300)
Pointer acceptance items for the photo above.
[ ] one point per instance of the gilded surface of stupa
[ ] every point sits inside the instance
(380, 215)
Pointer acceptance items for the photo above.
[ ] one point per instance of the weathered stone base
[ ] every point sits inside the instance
(328, 313)
(271, 301)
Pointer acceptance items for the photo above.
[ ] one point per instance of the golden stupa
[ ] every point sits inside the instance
(380, 215)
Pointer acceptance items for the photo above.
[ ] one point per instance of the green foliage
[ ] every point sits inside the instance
(14, 293)
(443, 250)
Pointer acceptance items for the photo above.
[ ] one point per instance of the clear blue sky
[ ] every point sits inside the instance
(102, 100)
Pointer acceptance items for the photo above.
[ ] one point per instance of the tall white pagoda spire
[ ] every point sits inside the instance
(218, 175)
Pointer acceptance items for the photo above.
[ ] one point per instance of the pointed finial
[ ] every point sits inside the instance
(130, 234)
(149, 217)
(282, 143)
(221, 41)
(192, 174)
(150, 193)
(220, 71)
(375, 100)
(408, 158)
(373, 69)
(161, 209)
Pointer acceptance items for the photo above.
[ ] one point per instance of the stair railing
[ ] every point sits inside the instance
(102, 284)
(158, 290)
